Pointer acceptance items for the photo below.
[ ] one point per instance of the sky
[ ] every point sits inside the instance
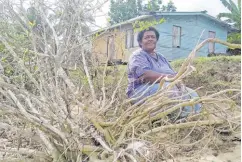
(214, 7)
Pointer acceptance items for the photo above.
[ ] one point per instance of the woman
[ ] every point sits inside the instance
(146, 66)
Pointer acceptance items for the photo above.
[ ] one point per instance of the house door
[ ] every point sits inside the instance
(211, 45)
(111, 48)
(176, 41)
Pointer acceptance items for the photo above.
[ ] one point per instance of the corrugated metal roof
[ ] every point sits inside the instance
(201, 13)
(122, 23)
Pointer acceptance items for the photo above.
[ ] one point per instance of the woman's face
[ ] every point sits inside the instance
(149, 41)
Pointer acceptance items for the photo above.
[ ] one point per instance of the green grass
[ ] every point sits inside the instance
(201, 60)
(212, 73)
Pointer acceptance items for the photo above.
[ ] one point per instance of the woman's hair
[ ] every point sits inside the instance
(141, 34)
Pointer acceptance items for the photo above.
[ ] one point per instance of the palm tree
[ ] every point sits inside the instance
(235, 13)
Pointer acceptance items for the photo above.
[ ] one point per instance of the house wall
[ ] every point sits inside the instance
(128, 52)
(221, 33)
(194, 29)
(100, 46)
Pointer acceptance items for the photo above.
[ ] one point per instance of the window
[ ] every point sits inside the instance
(111, 48)
(129, 39)
(211, 45)
(176, 35)
(135, 42)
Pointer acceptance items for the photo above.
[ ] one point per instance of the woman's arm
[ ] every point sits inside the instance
(151, 76)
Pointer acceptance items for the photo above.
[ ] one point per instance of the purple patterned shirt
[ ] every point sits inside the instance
(139, 62)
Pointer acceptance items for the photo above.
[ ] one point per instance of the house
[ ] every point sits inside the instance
(179, 34)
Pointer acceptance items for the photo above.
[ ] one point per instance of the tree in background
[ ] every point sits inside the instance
(170, 7)
(156, 5)
(124, 10)
(139, 5)
(234, 17)
(153, 6)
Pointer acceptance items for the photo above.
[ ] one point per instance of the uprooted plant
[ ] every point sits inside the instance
(45, 117)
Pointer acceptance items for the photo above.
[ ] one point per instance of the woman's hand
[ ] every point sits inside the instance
(170, 76)
(152, 76)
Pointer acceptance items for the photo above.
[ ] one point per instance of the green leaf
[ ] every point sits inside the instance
(36, 68)
(4, 59)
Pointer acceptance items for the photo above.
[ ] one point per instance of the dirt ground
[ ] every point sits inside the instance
(231, 154)
(214, 74)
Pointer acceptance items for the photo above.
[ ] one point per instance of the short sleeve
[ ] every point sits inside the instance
(162, 57)
(138, 64)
